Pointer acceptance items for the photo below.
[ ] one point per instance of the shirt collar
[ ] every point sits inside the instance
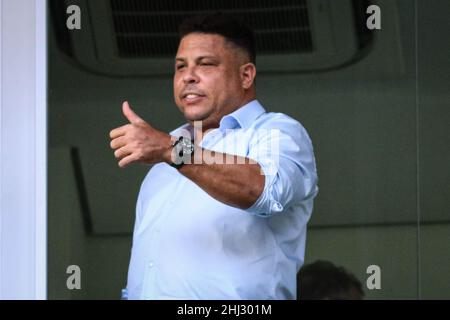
(242, 117)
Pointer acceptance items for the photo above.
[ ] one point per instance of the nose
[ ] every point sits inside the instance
(190, 76)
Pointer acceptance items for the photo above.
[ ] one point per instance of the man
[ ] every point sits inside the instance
(230, 223)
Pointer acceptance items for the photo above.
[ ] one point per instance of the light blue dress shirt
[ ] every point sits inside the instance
(188, 245)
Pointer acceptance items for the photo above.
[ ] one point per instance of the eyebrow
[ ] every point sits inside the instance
(196, 59)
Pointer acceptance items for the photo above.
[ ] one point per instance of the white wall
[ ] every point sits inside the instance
(23, 134)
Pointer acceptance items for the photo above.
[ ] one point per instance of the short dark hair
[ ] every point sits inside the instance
(232, 28)
(323, 280)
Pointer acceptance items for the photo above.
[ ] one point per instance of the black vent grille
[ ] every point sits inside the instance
(148, 28)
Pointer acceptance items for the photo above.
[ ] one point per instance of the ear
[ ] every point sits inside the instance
(248, 74)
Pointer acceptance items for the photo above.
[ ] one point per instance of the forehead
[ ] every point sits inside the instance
(201, 43)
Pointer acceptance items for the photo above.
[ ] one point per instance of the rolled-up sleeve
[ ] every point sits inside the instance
(285, 154)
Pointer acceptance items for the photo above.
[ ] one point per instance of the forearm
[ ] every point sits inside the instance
(238, 182)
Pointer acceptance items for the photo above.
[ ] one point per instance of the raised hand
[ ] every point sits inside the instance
(138, 141)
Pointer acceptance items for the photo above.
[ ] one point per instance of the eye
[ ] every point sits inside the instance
(179, 66)
(207, 64)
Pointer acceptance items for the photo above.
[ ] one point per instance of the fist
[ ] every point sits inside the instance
(137, 141)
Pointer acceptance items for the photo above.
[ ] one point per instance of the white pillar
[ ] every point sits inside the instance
(23, 149)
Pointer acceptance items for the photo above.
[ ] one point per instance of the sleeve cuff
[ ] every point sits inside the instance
(267, 205)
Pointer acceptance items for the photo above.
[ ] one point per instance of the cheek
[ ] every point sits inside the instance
(176, 89)
(227, 85)
(175, 84)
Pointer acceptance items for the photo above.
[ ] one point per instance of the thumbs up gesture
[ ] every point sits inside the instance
(137, 141)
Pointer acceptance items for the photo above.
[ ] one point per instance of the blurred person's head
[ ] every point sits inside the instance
(322, 280)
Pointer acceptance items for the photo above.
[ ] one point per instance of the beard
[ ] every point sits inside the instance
(198, 112)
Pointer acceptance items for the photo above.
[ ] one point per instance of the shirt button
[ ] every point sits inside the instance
(151, 265)
(277, 206)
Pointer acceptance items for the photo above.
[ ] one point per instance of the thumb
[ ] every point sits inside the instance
(129, 114)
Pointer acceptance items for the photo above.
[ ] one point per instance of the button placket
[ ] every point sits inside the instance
(155, 238)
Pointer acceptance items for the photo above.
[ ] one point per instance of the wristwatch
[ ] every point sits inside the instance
(183, 148)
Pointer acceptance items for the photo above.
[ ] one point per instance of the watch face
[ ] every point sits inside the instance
(183, 148)
(187, 146)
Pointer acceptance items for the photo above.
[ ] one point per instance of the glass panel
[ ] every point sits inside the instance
(380, 137)
(434, 151)
(362, 120)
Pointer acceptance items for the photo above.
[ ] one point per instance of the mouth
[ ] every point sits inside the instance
(192, 97)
